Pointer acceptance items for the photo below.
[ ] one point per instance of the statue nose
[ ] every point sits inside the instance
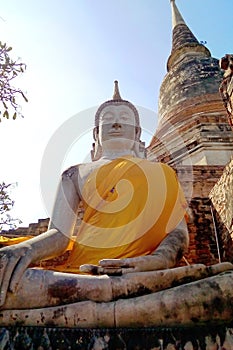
(116, 126)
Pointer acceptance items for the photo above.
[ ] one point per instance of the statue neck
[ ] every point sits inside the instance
(113, 154)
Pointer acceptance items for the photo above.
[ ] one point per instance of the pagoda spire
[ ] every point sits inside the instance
(183, 40)
(176, 15)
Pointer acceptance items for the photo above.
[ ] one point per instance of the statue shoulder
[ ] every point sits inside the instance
(82, 169)
(71, 171)
(78, 174)
(72, 175)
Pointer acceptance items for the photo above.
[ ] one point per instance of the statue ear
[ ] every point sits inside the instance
(96, 152)
(95, 133)
(138, 132)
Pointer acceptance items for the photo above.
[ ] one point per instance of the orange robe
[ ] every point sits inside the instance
(130, 205)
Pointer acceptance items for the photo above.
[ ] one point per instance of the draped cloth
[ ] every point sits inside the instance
(5, 241)
(130, 205)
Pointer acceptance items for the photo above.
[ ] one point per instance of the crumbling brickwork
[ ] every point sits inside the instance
(34, 229)
(208, 244)
(222, 198)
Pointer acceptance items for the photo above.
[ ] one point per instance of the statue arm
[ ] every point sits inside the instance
(55, 240)
(16, 258)
(174, 246)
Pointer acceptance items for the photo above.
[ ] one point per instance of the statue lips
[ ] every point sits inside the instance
(115, 133)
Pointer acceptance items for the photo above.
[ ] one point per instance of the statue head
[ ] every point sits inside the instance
(113, 114)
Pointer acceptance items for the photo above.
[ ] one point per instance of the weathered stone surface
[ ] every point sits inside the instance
(208, 301)
(193, 123)
(168, 338)
(33, 229)
(222, 197)
(226, 86)
(53, 288)
(193, 76)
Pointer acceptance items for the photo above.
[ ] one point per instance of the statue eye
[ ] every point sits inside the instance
(125, 117)
(107, 118)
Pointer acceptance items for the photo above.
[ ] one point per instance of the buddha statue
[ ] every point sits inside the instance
(131, 238)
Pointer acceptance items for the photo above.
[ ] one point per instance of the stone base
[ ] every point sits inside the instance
(119, 338)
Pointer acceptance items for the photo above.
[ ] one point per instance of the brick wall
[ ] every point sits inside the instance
(34, 229)
(197, 183)
(222, 198)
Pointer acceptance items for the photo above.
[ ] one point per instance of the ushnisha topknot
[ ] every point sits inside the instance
(116, 100)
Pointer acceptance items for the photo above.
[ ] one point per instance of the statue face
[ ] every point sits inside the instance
(117, 129)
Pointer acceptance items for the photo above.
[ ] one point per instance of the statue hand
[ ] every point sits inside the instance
(98, 270)
(13, 262)
(127, 265)
(113, 267)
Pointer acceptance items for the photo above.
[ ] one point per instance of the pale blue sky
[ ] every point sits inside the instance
(74, 50)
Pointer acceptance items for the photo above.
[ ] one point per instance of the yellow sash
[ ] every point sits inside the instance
(5, 241)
